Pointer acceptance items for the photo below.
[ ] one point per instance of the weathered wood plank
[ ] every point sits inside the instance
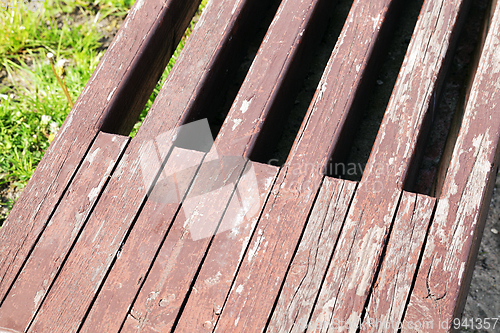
(227, 249)
(274, 77)
(263, 269)
(168, 282)
(236, 138)
(447, 264)
(190, 232)
(371, 215)
(110, 308)
(169, 286)
(311, 261)
(391, 290)
(112, 99)
(37, 274)
(201, 65)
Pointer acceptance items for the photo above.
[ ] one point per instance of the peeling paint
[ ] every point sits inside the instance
(239, 289)
(111, 93)
(38, 297)
(236, 122)
(213, 280)
(246, 104)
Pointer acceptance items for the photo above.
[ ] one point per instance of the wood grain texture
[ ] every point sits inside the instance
(92, 251)
(355, 261)
(226, 252)
(114, 96)
(371, 215)
(275, 75)
(265, 266)
(168, 282)
(125, 278)
(211, 52)
(202, 62)
(270, 251)
(445, 272)
(312, 258)
(391, 291)
(37, 274)
(215, 277)
(240, 129)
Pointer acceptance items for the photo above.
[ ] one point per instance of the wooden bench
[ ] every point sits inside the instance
(117, 234)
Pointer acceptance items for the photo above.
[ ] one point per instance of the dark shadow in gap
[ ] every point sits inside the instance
(352, 165)
(295, 116)
(451, 105)
(214, 100)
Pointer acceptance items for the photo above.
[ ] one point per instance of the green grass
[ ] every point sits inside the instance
(32, 103)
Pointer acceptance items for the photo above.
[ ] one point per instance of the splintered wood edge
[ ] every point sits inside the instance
(390, 292)
(311, 261)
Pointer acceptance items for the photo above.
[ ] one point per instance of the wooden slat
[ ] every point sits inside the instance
(264, 267)
(193, 79)
(371, 215)
(110, 308)
(167, 284)
(240, 131)
(392, 289)
(311, 261)
(37, 274)
(448, 261)
(226, 252)
(162, 295)
(273, 78)
(115, 95)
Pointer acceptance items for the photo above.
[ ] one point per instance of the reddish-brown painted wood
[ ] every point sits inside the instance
(37, 274)
(310, 263)
(371, 215)
(232, 282)
(268, 90)
(447, 264)
(111, 306)
(391, 291)
(168, 282)
(239, 131)
(201, 64)
(226, 252)
(113, 97)
(271, 249)
(217, 272)
(198, 221)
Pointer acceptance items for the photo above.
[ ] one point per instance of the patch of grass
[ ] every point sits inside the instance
(32, 104)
